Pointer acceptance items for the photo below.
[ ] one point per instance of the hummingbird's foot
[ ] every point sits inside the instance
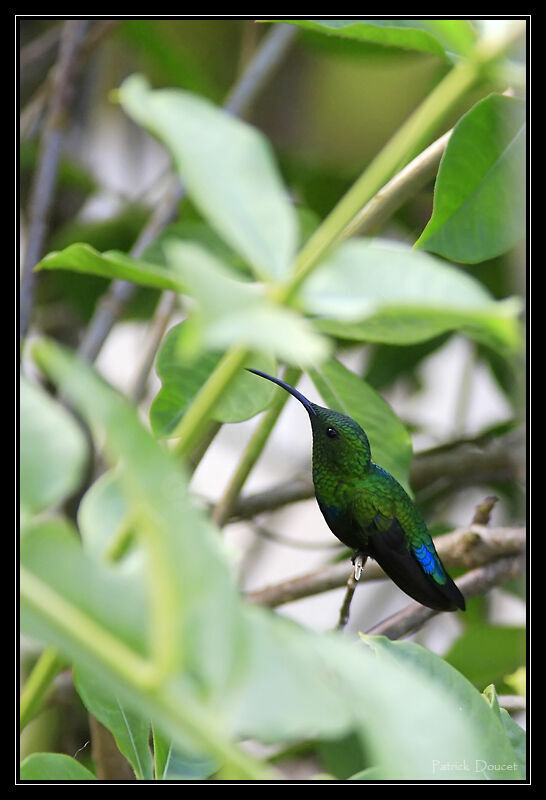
(359, 560)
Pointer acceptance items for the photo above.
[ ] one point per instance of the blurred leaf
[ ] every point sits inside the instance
(341, 758)
(381, 291)
(112, 264)
(517, 681)
(228, 169)
(238, 672)
(171, 764)
(439, 37)
(132, 734)
(389, 362)
(515, 734)
(53, 450)
(163, 53)
(102, 513)
(494, 747)
(90, 592)
(180, 382)
(344, 391)
(486, 653)
(236, 312)
(480, 192)
(54, 767)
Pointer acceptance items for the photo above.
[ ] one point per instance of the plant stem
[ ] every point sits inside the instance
(403, 146)
(131, 666)
(253, 450)
(194, 422)
(36, 685)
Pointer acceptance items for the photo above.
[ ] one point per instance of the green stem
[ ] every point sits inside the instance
(403, 146)
(194, 423)
(83, 630)
(252, 452)
(177, 710)
(36, 685)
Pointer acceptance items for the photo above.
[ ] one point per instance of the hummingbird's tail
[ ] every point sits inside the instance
(391, 552)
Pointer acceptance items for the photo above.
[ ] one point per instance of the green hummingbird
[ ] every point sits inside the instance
(369, 511)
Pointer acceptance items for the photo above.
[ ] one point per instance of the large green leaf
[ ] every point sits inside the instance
(233, 672)
(438, 37)
(516, 734)
(344, 391)
(54, 767)
(235, 312)
(480, 192)
(228, 169)
(382, 291)
(492, 745)
(111, 264)
(131, 732)
(53, 450)
(180, 382)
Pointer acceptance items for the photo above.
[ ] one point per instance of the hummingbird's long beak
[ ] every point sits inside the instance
(290, 389)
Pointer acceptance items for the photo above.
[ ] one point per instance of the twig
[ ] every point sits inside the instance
(111, 764)
(112, 304)
(347, 600)
(477, 581)
(467, 547)
(43, 186)
(483, 511)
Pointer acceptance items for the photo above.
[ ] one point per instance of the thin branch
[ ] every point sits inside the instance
(43, 186)
(476, 582)
(259, 70)
(467, 547)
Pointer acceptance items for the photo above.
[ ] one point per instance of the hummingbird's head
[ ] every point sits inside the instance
(339, 443)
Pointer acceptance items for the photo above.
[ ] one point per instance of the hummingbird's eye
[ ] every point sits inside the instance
(331, 433)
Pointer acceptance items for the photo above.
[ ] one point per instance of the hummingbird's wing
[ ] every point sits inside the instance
(398, 539)
(417, 570)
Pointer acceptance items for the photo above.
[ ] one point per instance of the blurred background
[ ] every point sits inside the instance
(327, 111)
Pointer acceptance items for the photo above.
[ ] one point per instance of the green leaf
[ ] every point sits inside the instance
(486, 653)
(381, 291)
(228, 169)
(54, 767)
(514, 732)
(439, 37)
(235, 312)
(103, 514)
(92, 594)
(53, 450)
(180, 382)
(172, 764)
(131, 732)
(480, 192)
(492, 745)
(344, 391)
(517, 680)
(111, 264)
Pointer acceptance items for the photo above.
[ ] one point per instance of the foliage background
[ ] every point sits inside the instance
(330, 107)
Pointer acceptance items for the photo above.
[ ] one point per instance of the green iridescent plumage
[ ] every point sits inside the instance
(368, 510)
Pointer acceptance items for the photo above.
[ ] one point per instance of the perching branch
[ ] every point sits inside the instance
(469, 547)
(477, 581)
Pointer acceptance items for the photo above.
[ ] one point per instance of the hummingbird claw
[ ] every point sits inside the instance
(359, 562)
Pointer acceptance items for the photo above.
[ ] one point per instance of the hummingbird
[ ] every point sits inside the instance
(369, 511)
